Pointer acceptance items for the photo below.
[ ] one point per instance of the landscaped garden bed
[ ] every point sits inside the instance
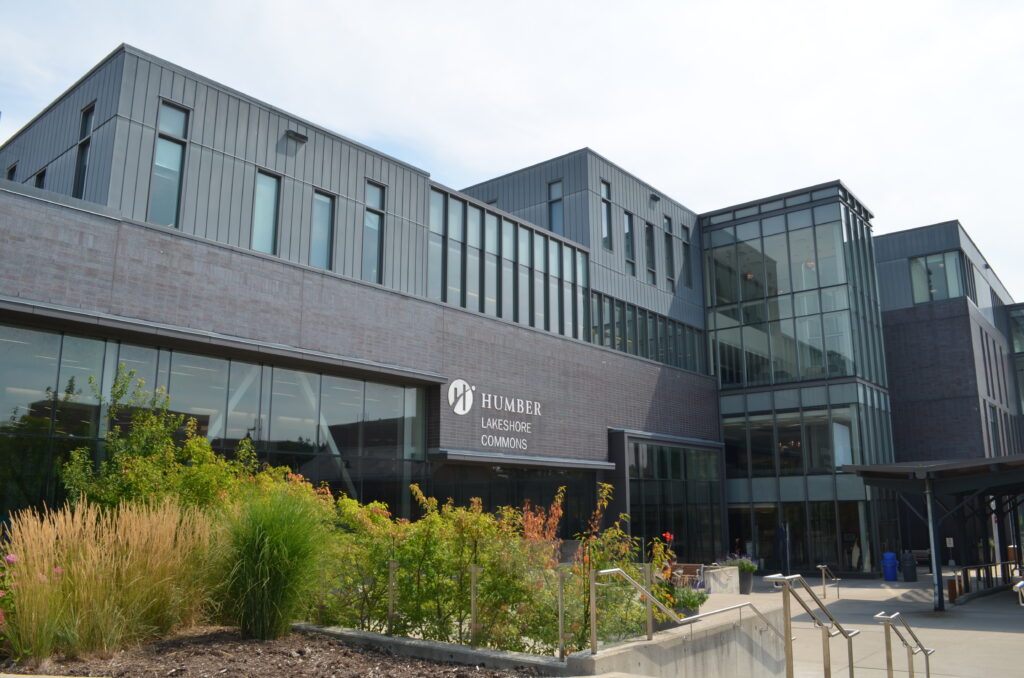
(211, 652)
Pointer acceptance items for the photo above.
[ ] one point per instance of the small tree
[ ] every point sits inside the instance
(160, 454)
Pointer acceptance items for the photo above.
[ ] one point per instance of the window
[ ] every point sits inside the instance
(556, 220)
(936, 277)
(264, 213)
(82, 158)
(670, 262)
(652, 270)
(12, 171)
(373, 232)
(630, 246)
(606, 215)
(435, 247)
(41, 179)
(168, 162)
(321, 243)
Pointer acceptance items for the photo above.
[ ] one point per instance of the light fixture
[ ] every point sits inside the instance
(655, 197)
(296, 136)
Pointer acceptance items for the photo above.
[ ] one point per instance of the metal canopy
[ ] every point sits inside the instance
(997, 476)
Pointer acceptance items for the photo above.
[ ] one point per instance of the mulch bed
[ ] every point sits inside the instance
(222, 652)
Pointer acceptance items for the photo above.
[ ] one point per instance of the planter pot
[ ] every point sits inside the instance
(746, 582)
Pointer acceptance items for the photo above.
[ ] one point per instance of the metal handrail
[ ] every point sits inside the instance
(986, 572)
(649, 599)
(827, 573)
(1019, 588)
(917, 647)
(788, 592)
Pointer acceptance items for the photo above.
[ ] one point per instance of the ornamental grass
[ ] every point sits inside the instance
(87, 579)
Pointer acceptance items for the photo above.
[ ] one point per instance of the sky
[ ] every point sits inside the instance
(918, 107)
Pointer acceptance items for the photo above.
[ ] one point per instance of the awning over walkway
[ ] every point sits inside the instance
(996, 476)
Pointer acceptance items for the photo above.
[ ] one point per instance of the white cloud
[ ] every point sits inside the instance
(915, 105)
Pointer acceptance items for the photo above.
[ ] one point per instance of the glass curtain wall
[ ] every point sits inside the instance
(677, 490)
(791, 297)
(361, 437)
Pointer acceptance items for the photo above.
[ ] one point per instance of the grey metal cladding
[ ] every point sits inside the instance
(230, 138)
(50, 140)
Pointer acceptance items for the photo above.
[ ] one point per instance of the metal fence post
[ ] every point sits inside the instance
(392, 571)
(888, 648)
(826, 656)
(474, 625)
(787, 626)
(561, 614)
(593, 611)
(647, 601)
(849, 653)
(910, 662)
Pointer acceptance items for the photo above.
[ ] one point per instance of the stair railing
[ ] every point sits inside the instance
(820, 614)
(913, 648)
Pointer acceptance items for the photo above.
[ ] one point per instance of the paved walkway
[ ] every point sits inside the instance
(983, 638)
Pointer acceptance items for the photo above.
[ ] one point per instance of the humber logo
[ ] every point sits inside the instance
(460, 396)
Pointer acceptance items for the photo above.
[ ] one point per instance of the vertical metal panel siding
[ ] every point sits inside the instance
(50, 142)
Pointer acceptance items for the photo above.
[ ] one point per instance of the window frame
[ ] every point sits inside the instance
(331, 228)
(606, 216)
(382, 213)
(180, 141)
(88, 112)
(277, 211)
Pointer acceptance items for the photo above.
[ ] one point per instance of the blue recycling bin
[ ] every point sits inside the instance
(890, 566)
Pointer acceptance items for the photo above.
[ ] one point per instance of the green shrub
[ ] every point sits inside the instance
(85, 578)
(271, 550)
(744, 564)
(691, 599)
(159, 455)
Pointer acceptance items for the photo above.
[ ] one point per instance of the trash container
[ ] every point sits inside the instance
(890, 566)
(909, 565)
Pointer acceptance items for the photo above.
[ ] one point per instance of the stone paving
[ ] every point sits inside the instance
(983, 638)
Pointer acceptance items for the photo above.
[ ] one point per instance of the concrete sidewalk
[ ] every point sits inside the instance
(983, 638)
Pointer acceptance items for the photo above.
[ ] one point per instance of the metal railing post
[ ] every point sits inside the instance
(593, 611)
(561, 614)
(824, 591)
(910, 661)
(888, 647)
(392, 571)
(787, 627)
(849, 653)
(474, 623)
(648, 605)
(826, 656)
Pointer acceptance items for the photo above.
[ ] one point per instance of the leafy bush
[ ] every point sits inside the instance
(159, 455)
(744, 564)
(690, 598)
(86, 578)
(270, 557)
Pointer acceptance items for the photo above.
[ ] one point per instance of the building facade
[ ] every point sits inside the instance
(564, 324)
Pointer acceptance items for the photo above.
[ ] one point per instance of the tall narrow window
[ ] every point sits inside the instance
(82, 159)
(168, 162)
(687, 265)
(264, 213)
(373, 232)
(12, 172)
(629, 243)
(321, 243)
(41, 179)
(652, 265)
(670, 263)
(606, 215)
(435, 247)
(556, 220)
